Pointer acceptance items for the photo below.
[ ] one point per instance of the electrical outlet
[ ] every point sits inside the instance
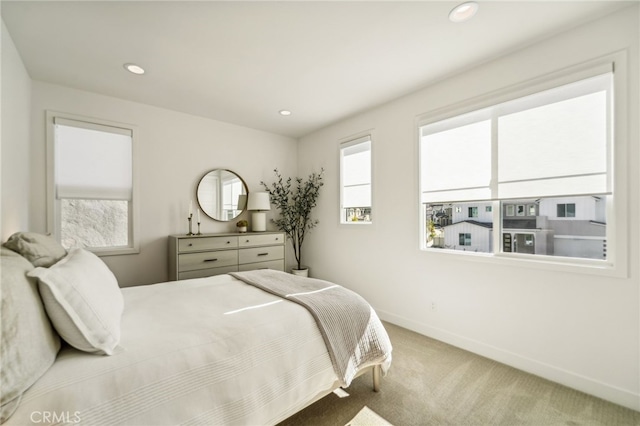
(434, 306)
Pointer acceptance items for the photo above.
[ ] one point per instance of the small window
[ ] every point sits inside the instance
(473, 212)
(464, 239)
(488, 209)
(566, 210)
(91, 185)
(355, 181)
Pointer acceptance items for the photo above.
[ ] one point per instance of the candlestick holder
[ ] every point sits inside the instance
(190, 228)
(199, 233)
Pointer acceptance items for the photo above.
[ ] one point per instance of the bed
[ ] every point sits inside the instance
(216, 350)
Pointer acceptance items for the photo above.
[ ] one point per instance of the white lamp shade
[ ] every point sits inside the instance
(259, 201)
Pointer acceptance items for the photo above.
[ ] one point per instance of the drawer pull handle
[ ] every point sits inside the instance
(263, 254)
(190, 244)
(210, 260)
(247, 241)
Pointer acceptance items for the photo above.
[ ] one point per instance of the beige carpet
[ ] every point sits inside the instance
(432, 383)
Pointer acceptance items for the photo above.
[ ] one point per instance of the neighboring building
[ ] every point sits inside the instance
(570, 226)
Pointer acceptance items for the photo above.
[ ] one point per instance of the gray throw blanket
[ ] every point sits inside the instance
(352, 331)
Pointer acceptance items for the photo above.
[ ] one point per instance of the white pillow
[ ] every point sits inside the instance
(83, 301)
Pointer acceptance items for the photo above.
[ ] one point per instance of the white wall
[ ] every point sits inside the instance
(14, 151)
(578, 329)
(175, 150)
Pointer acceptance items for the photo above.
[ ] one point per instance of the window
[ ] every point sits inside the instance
(524, 157)
(566, 210)
(91, 185)
(464, 239)
(355, 181)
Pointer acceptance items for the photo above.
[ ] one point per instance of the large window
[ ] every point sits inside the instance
(91, 184)
(534, 173)
(355, 181)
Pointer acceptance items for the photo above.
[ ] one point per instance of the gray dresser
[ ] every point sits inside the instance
(203, 255)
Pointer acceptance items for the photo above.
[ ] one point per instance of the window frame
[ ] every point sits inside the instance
(53, 206)
(616, 263)
(347, 142)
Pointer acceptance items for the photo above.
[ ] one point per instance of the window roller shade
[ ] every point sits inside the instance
(456, 163)
(551, 143)
(356, 173)
(91, 163)
(555, 149)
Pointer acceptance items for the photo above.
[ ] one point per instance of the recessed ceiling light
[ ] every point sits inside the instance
(284, 112)
(133, 68)
(463, 12)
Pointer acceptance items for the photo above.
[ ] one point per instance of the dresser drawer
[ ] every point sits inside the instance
(260, 254)
(186, 245)
(206, 260)
(260, 240)
(278, 265)
(200, 273)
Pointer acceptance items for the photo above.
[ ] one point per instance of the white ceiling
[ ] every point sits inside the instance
(241, 62)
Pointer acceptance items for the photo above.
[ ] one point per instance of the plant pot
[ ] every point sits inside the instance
(304, 272)
(242, 229)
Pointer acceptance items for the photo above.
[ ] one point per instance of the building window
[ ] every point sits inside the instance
(91, 184)
(566, 210)
(526, 155)
(528, 240)
(488, 209)
(355, 181)
(464, 239)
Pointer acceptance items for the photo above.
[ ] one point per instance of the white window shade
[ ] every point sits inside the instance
(456, 163)
(356, 174)
(555, 149)
(92, 161)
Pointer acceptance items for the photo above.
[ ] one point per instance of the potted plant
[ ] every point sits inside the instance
(295, 203)
(242, 225)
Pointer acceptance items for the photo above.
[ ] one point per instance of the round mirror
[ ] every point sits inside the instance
(222, 195)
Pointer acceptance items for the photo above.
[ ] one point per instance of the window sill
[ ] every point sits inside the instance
(115, 251)
(571, 265)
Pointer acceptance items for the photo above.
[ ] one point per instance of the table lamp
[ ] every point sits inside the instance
(258, 203)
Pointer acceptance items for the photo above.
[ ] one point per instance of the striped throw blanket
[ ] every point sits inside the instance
(352, 331)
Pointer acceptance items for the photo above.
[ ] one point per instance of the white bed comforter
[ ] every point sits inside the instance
(171, 368)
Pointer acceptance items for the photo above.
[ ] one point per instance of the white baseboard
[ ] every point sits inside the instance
(567, 378)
